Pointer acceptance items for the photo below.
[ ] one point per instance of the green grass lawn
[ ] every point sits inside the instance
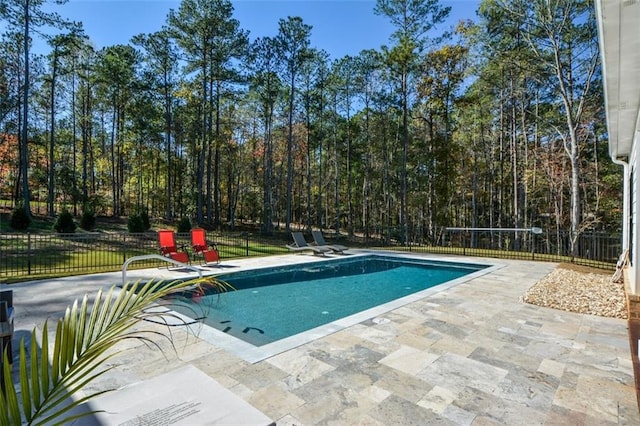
(45, 254)
(51, 262)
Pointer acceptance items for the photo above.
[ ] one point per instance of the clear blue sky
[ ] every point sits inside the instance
(341, 27)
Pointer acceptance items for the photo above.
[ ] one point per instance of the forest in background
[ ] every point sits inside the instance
(495, 123)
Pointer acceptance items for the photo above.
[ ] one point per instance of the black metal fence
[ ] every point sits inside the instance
(595, 249)
(30, 256)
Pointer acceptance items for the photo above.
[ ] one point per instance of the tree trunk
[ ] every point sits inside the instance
(114, 186)
(290, 155)
(405, 143)
(24, 141)
(52, 139)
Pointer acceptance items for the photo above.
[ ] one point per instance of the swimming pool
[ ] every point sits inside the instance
(283, 304)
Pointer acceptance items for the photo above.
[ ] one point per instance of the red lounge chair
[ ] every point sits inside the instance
(200, 246)
(168, 248)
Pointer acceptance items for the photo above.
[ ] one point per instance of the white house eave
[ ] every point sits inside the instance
(618, 30)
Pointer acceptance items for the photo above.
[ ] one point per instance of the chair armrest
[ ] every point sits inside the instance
(6, 319)
(6, 306)
(7, 296)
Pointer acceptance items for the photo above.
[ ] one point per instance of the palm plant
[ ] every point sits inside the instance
(83, 341)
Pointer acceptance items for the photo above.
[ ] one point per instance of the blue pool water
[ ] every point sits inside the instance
(275, 303)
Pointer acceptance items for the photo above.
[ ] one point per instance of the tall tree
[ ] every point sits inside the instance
(10, 101)
(321, 81)
(9, 78)
(312, 72)
(344, 72)
(76, 49)
(266, 84)
(413, 19)
(368, 79)
(213, 43)
(442, 74)
(82, 106)
(63, 45)
(28, 16)
(231, 46)
(116, 70)
(562, 36)
(293, 44)
(161, 60)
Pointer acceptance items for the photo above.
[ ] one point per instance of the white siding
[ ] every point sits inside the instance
(634, 231)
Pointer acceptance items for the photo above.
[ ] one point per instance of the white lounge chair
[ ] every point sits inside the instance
(300, 244)
(318, 238)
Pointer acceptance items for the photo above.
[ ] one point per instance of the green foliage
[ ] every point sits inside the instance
(184, 225)
(135, 224)
(88, 219)
(64, 223)
(139, 222)
(98, 204)
(146, 223)
(84, 341)
(385, 131)
(65, 178)
(20, 220)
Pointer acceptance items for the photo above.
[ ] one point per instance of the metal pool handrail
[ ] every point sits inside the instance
(158, 257)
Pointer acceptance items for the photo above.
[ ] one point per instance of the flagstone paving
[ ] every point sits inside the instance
(469, 355)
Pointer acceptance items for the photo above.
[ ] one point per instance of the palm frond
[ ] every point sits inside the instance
(83, 341)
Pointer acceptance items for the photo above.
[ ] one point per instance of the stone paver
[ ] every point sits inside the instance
(469, 355)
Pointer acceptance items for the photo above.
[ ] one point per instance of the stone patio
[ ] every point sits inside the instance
(468, 355)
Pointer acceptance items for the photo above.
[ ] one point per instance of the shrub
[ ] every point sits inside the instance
(135, 224)
(20, 220)
(88, 219)
(64, 223)
(144, 215)
(184, 225)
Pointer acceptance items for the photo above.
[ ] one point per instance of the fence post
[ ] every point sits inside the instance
(464, 243)
(533, 246)
(246, 243)
(28, 253)
(124, 247)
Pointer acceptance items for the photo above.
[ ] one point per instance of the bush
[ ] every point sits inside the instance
(88, 219)
(135, 224)
(64, 223)
(184, 225)
(144, 215)
(20, 220)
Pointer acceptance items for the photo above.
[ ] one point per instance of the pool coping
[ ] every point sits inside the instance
(253, 354)
(472, 354)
